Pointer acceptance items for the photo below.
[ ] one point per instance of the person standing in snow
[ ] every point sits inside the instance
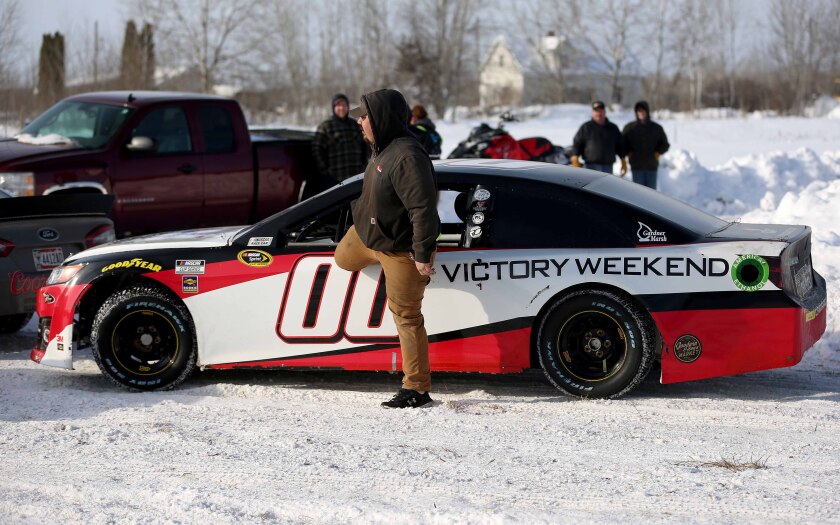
(339, 149)
(598, 141)
(424, 129)
(644, 141)
(396, 224)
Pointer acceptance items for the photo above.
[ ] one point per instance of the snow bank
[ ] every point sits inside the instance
(52, 138)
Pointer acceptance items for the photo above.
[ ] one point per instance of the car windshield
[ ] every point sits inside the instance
(658, 204)
(85, 124)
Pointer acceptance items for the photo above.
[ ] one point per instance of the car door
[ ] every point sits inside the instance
(228, 166)
(162, 189)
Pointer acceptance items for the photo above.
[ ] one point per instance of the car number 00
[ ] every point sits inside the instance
(325, 304)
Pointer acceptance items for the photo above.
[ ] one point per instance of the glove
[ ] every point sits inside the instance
(623, 167)
(656, 155)
(576, 161)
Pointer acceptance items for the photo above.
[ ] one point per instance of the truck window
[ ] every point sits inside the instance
(168, 128)
(216, 129)
(88, 124)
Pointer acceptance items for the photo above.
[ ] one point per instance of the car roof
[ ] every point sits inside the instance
(453, 170)
(140, 98)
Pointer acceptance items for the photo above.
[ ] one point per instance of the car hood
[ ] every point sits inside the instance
(203, 238)
(12, 151)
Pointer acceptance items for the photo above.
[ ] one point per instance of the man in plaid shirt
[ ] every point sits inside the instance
(339, 148)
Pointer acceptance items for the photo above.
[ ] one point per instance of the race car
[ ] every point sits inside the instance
(36, 234)
(586, 275)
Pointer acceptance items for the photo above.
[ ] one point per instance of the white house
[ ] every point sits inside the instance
(502, 78)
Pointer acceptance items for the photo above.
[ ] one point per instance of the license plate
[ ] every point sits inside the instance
(47, 258)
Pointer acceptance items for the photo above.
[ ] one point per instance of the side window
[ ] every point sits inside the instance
(557, 218)
(216, 129)
(168, 128)
(328, 228)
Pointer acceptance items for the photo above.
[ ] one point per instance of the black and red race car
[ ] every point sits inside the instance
(588, 276)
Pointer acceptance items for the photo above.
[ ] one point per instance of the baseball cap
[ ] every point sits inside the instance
(598, 104)
(358, 111)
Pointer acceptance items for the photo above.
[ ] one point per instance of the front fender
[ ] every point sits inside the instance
(56, 307)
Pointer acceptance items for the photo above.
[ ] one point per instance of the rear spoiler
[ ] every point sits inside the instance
(68, 204)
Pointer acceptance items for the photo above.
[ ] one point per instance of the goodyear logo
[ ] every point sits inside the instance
(255, 258)
(133, 263)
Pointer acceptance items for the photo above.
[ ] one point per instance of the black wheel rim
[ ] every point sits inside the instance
(592, 346)
(145, 342)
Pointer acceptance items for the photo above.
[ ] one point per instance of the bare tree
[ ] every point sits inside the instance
(9, 38)
(209, 35)
(798, 47)
(611, 38)
(440, 31)
(552, 33)
(693, 47)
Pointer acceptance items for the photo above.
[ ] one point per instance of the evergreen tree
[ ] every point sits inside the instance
(51, 70)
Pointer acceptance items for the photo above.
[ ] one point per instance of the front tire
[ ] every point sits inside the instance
(143, 338)
(595, 344)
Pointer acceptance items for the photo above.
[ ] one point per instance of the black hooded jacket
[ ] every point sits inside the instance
(397, 210)
(643, 138)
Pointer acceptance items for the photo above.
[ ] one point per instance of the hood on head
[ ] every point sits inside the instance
(389, 115)
(644, 105)
(337, 97)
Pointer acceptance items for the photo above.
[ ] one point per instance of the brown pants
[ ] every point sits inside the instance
(404, 286)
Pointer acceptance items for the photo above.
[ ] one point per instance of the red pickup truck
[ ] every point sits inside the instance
(172, 160)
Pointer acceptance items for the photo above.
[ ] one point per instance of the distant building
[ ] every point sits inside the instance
(550, 72)
(501, 79)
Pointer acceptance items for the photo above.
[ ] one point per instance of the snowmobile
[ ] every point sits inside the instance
(486, 142)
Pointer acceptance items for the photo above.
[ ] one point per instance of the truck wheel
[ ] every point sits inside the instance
(143, 338)
(10, 324)
(595, 344)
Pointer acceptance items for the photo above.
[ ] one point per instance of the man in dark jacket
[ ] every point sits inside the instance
(598, 141)
(338, 147)
(395, 223)
(644, 141)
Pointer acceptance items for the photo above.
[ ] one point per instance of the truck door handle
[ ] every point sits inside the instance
(187, 168)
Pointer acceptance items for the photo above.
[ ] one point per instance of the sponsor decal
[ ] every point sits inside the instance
(191, 266)
(803, 279)
(687, 348)
(750, 272)
(133, 263)
(480, 206)
(189, 283)
(22, 283)
(260, 241)
(481, 195)
(477, 217)
(47, 258)
(48, 234)
(475, 232)
(648, 234)
(60, 347)
(48, 298)
(533, 268)
(812, 314)
(255, 258)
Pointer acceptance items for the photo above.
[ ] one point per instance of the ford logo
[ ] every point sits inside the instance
(48, 234)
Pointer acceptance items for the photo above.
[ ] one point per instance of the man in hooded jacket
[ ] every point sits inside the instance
(339, 149)
(644, 141)
(395, 223)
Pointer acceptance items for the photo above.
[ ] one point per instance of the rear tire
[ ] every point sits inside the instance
(10, 324)
(143, 338)
(595, 344)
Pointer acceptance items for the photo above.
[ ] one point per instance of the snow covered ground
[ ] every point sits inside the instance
(314, 447)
